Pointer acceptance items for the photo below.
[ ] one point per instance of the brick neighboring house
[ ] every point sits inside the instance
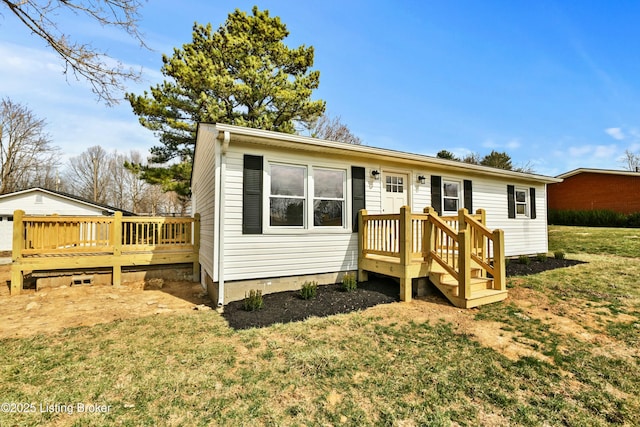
(596, 189)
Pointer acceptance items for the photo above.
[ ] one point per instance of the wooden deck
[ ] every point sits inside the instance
(459, 255)
(55, 242)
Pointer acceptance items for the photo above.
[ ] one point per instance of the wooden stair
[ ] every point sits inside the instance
(482, 288)
(459, 255)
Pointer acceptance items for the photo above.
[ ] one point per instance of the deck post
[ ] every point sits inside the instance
(462, 219)
(196, 248)
(363, 232)
(464, 262)
(17, 279)
(405, 253)
(117, 248)
(483, 216)
(499, 279)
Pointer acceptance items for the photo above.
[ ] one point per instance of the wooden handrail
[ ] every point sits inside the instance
(443, 250)
(486, 247)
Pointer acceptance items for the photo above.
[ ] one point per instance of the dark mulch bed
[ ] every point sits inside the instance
(516, 268)
(284, 307)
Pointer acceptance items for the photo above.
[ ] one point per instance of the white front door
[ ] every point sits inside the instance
(395, 192)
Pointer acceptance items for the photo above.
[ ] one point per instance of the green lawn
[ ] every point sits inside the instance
(574, 332)
(623, 242)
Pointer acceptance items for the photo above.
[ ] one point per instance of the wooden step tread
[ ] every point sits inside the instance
(450, 281)
(486, 292)
(487, 296)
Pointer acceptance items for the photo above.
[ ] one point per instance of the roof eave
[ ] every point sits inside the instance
(285, 140)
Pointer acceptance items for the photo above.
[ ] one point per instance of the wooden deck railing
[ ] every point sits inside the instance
(455, 243)
(49, 235)
(59, 242)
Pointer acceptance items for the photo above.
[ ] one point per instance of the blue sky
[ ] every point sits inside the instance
(555, 84)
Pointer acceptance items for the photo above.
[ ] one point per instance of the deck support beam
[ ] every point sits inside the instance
(363, 233)
(500, 276)
(17, 280)
(405, 243)
(116, 279)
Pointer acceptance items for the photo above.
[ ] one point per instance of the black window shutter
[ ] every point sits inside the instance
(511, 200)
(468, 195)
(252, 195)
(532, 197)
(436, 193)
(357, 194)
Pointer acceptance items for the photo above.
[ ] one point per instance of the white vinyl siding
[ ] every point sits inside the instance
(204, 200)
(522, 235)
(421, 193)
(285, 252)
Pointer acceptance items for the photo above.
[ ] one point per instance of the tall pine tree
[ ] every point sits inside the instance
(241, 74)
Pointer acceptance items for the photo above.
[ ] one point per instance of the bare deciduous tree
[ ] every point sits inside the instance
(129, 191)
(115, 179)
(326, 127)
(88, 174)
(105, 75)
(631, 160)
(26, 152)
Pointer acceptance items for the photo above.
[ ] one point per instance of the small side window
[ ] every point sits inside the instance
(522, 205)
(521, 202)
(450, 196)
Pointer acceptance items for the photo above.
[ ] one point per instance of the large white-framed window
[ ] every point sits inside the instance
(287, 195)
(451, 194)
(306, 197)
(329, 190)
(522, 202)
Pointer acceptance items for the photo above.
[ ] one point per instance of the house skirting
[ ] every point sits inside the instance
(236, 290)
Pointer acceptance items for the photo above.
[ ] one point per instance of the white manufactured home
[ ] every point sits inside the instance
(40, 201)
(280, 209)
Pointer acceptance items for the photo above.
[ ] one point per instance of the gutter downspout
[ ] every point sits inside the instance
(221, 212)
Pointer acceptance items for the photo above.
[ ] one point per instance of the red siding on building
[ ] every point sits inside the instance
(591, 191)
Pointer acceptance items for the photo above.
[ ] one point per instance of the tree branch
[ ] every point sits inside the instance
(85, 61)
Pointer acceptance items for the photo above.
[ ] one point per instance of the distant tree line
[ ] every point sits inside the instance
(495, 159)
